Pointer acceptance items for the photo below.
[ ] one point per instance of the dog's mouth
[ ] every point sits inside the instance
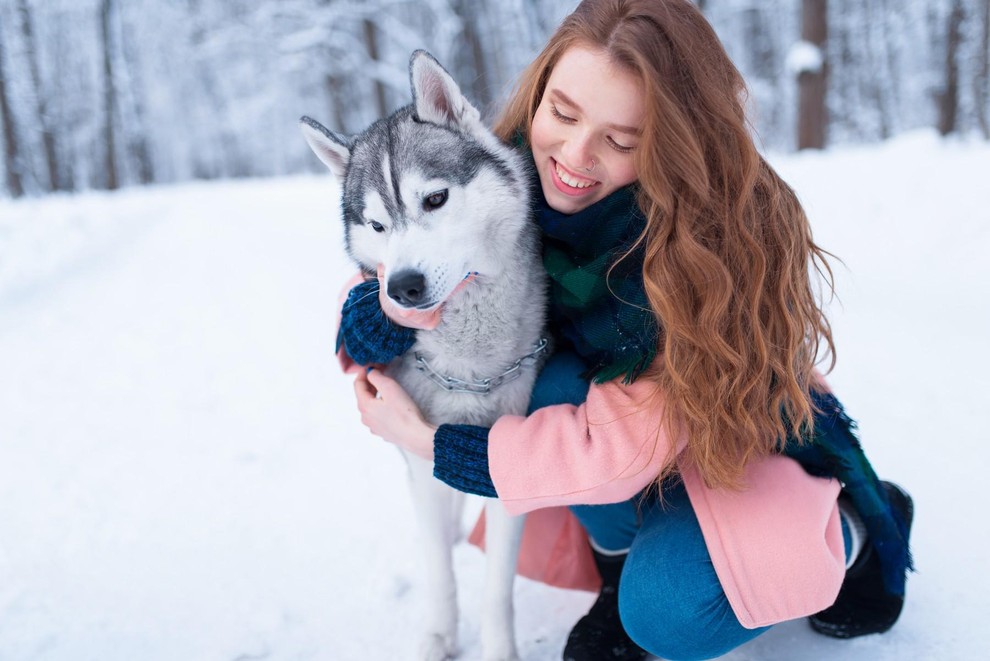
(403, 307)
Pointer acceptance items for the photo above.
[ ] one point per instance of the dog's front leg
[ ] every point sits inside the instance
(502, 536)
(437, 507)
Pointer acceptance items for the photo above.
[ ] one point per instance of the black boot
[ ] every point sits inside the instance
(863, 605)
(599, 636)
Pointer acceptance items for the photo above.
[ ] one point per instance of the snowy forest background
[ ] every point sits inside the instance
(100, 94)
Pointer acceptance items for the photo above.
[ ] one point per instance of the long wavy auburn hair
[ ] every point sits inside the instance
(728, 248)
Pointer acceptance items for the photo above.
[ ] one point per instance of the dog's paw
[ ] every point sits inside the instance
(437, 647)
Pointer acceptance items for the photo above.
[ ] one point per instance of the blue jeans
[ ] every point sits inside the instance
(670, 599)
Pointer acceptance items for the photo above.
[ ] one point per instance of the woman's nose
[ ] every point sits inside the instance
(579, 153)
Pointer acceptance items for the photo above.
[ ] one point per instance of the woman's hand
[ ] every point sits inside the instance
(390, 413)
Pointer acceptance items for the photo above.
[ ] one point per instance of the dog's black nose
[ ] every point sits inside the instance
(407, 288)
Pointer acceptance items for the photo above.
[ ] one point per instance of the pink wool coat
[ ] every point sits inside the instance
(776, 545)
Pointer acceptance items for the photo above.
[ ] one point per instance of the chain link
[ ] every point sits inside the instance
(481, 386)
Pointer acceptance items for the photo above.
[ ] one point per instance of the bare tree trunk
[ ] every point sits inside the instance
(334, 85)
(875, 87)
(471, 58)
(482, 92)
(891, 61)
(137, 142)
(109, 98)
(983, 75)
(812, 115)
(11, 155)
(948, 107)
(759, 45)
(47, 135)
(371, 39)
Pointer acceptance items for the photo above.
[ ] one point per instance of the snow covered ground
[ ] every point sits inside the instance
(183, 476)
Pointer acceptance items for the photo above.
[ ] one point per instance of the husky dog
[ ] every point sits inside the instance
(440, 206)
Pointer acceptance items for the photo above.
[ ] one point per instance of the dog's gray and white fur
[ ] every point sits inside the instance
(432, 195)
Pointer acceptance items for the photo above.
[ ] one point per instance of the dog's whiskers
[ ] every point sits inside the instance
(373, 292)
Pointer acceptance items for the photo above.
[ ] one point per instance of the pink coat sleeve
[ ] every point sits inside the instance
(604, 451)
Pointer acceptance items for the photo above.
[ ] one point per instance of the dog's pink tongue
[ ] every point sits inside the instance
(424, 320)
(409, 318)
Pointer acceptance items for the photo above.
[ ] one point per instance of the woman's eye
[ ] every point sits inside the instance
(617, 147)
(378, 227)
(559, 115)
(435, 200)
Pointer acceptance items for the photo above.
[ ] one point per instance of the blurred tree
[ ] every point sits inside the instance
(472, 56)
(812, 114)
(371, 41)
(134, 96)
(41, 99)
(11, 152)
(109, 99)
(981, 81)
(948, 102)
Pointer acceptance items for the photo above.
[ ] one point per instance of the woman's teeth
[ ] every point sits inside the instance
(570, 181)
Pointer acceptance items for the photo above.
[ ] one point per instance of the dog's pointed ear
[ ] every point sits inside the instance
(436, 96)
(333, 150)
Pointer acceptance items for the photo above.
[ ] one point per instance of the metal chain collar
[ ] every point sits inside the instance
(481, 386)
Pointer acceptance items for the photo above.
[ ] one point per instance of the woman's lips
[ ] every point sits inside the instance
(585, 185)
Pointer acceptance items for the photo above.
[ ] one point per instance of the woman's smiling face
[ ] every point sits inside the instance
(585, 129)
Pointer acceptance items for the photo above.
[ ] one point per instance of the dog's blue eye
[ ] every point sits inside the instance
(435, 200)
(378, 227)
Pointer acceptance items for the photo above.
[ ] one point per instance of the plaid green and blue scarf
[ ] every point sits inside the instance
(598, 301)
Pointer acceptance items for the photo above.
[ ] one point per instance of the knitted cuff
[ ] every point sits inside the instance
(460, 459)
(368, 336)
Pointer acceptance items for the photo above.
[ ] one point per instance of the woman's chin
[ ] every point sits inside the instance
(569, 204)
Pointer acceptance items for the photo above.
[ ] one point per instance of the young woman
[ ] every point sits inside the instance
(681, 420)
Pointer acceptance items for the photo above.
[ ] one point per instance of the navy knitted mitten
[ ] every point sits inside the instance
(368, 335)
(460, 458)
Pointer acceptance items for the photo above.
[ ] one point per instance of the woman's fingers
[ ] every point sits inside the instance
(386, 387)
(389, 412)
(377, 380)
(364, 390)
